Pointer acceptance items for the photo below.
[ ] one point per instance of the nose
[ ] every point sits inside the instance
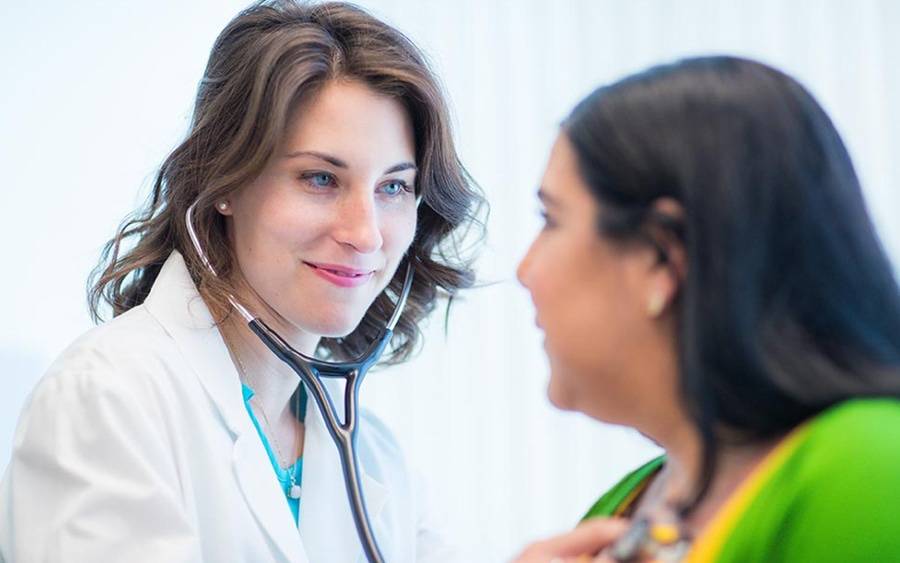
(524, 267)
(357, 225)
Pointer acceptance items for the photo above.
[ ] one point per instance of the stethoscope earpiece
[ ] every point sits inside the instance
(311, 371)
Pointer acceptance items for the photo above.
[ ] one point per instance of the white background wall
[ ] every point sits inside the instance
(94, 94)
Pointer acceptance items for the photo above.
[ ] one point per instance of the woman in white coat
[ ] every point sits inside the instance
(170, 433)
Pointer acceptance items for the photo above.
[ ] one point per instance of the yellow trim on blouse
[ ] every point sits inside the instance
(710, 543)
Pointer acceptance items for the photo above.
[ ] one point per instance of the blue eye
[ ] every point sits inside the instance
(319, 179)
(394, 187)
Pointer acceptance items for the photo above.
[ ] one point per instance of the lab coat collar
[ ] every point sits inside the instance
(326, 522)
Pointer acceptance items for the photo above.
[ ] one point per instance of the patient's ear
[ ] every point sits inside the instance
(665, 229)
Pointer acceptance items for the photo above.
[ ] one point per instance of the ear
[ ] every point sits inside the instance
(224, 207)
(665, 226)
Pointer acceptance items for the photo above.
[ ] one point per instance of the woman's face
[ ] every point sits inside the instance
(591, 298)
(319, 234)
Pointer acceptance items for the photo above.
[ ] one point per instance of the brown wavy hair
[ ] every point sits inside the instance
(268, 60)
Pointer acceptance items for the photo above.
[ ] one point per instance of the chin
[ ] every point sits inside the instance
(332, 327)
(559, 397)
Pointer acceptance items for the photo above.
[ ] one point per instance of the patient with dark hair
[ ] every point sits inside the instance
(708, 274)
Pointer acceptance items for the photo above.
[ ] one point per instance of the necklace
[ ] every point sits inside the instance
(293, 491)
(293, 488)
(659, 538)
(657, 532)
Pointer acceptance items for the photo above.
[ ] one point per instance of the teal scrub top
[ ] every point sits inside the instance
(283, 474)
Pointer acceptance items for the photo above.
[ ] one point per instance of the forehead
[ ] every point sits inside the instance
(562, 179)
(350, 119)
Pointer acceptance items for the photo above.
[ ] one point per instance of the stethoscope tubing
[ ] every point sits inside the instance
(311, 371)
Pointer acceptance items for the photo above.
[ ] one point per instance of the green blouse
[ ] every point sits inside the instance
(829, 492)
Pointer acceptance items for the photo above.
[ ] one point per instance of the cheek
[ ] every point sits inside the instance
(293, 223)
(398, 231)
(586, 320)
(594, 319)
(565, 295)
(270, 218)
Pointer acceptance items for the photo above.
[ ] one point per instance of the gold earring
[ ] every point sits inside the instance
(656, 304)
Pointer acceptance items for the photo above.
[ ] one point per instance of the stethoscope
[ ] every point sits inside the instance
(311, 370)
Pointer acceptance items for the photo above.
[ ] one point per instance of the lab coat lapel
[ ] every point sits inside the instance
(175, 302)
(326, 521)
(265, 497)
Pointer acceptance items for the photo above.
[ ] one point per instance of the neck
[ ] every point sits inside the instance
(273, 382)
(682, 475)
(683, 452)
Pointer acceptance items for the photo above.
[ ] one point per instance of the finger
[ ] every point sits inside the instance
(588, 538)
(584, 558)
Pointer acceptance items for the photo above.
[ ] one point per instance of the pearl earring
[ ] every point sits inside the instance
(222, 206)
(656, 304)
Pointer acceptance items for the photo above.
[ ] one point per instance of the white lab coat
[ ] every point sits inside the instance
(136, 446)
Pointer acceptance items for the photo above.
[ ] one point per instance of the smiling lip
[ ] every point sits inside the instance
(341, 276)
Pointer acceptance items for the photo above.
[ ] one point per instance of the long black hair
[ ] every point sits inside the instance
(790, 304)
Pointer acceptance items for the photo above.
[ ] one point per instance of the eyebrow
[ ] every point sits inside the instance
(546, 198)
(334, 161)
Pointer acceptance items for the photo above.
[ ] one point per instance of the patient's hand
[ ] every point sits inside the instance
(579, 545)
